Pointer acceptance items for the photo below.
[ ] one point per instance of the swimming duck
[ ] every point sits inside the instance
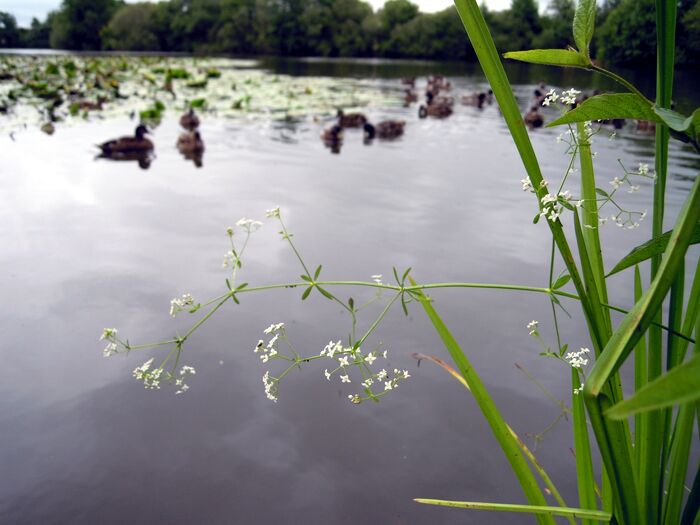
(351, 120)
(333, 137)
(409, 81)
(476, 99)
(534, 118)
(189, 120)
(410, 96)
(387, 129)
(435, 110)
(128, 145)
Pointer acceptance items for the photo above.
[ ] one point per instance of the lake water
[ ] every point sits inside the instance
(91, 243)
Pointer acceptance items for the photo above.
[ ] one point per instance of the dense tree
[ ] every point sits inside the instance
(9, 32)
(132, 29)
(628, 35)
(556, 28)
(78, 23)
(37, 36)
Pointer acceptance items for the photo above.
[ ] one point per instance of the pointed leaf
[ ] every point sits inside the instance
(680, 385)
(325, 293)
(561, 281)
(318, 272)
(551, 57)
(584, 22)
(650, 248)
(306, 293)
(405, 274)
(306, 278)
(528, 509)
(396, 275)
(680, 123)
(609, 106)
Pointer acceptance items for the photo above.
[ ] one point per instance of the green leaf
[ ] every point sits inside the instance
(228, 284)
(550, 57)
(318, 272)
(609, 106)
(306, 293)
(602, 192)
(680, 385)
(306, 278)
(677, 122)
(649, 249)
(325, 293)
(241, 286)
(528, 509)
(561, 281)
(396, 275)
(351, 303)
(405, 274)
(235, 299)
(584, 22)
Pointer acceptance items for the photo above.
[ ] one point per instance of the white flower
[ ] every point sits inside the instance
(180, 304)
(274, 327)
(343, 361)
(527, 185)
(550, 97)
(616, 182)
(332, 348)
(377, 278)
(273, 341)
(569, 97)
(272, 212)
(110, 349)
(249, 225)
(184, 388)
(370, 358)
(229, 260)
(140, 370)
(259, 346)
(270, 386)
(385, 353)
(381, 376)
(368, 383)
(577, 391)
(354, 398)
(643, 169)
(405, 374)
(345, 378)
(388, 385)
(532, 326)
(577, 359)
(633, 188)
(549, 198)
(327, 374)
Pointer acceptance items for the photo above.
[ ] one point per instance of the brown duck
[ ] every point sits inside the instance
(435, 110)
(128, 145)
(189, 120)
(351, 120)
(387, 129)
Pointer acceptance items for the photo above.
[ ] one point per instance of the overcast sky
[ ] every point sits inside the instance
(24, 10)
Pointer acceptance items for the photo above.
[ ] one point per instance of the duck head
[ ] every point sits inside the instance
(141, 130)
(422, 111)
(370, 131)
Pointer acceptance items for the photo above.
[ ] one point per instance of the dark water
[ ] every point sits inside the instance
(90, 244)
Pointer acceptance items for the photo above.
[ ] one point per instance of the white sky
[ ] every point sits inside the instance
(24, 10)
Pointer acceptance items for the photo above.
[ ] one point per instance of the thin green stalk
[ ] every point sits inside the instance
(527, 509)
(641, 421)
(584, 461)
(488, 408)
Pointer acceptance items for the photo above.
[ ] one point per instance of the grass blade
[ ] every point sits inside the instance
(582, 446)
(528, 509)
(488, 408)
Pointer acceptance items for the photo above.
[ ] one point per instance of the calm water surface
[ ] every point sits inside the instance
(89, 244)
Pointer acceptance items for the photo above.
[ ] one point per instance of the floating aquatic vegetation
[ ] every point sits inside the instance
(69, 89)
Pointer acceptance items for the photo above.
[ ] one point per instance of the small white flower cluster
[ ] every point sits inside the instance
(273, 213)
(177, 305)
(567, 97)
(230, 259)
(185, 371)
(270, 383)
(577, 359)
(532, 327)
(249, 225)
(578, 390)
(110, 335)
(150, 377)
(527, 185)
(377, 278)
(552, 205)
(269, 350)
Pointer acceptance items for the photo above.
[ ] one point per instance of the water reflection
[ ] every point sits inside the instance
(83, 443)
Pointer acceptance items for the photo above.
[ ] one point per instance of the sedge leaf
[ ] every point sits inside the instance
(550, 57)
(609, 106)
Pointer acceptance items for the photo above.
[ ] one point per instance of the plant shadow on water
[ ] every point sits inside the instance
(81, 444)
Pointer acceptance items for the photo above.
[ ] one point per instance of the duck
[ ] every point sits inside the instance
(409, 81)
(128, 145)
(534, 118)
(476, 99)
(435, 110)
(351, 120)
(190, 142)
(189, 120)
(387, 129)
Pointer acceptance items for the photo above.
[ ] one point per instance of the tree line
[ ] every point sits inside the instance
(344, 28)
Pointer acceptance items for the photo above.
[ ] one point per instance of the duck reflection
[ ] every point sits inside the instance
(333, 138)
(191, 146)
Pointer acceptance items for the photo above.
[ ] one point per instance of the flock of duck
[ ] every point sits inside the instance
(436, 105)
(140, 148)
